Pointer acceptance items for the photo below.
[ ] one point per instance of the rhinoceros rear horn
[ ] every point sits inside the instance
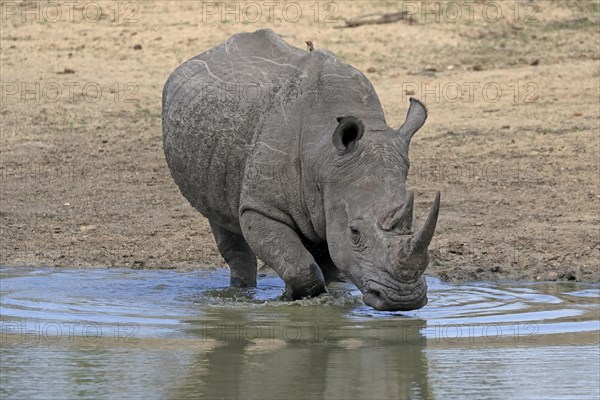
(347, 134)
(415, 118)
(400, 219)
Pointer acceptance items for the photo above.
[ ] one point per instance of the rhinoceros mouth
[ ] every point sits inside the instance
(400, 297)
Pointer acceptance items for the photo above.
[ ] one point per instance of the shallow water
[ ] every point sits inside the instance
(167, 334)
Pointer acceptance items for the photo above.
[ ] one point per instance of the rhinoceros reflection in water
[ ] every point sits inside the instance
(288, 155)
(372, 366)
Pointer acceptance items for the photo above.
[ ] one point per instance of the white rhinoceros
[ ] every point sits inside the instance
(288, 155)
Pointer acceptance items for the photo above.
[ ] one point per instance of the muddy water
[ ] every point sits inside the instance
(166, 334)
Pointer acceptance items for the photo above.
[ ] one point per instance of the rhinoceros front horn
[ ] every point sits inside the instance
(423, 237)
(410, 258)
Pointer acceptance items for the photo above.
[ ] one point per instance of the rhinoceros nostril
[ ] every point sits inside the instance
(373, 298)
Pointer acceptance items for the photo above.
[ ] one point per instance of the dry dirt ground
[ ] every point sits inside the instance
(512, 139)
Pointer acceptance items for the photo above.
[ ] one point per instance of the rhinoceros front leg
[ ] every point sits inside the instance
(280, 247)
(320, 252)
(238, 255)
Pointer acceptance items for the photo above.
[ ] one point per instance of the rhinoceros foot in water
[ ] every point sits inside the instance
(288, 155)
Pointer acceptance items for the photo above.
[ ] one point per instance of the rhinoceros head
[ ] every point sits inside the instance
(372, 234)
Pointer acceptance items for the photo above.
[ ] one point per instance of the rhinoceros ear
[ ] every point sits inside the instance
(415, 118)
(347, 134)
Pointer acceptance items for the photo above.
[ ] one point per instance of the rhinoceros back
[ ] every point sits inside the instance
(212, 109)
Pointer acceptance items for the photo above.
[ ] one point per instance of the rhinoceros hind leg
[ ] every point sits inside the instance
(238, 255)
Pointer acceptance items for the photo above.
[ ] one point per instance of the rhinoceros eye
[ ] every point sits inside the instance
(354, 235)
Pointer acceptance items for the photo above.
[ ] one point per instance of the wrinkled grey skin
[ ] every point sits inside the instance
(288, 155)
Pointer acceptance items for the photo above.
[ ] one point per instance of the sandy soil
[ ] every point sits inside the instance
(512, 140)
